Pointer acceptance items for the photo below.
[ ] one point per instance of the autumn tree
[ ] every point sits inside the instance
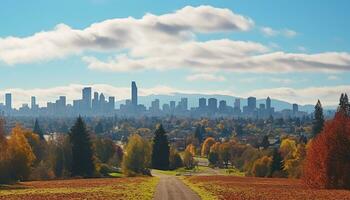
(327, 160)
(104, 149)
(318, 121)
(20, 155)
(208, 142)
(188, 160)
(82, 153)
(192, 149)
(224, 153)
(175, 160)
(262, 167)
(160, 150)
(137, 156)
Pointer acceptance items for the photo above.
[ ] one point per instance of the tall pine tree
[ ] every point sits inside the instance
(344, 106)
(277, 162)
(198, 134)
(160, 150)
(318, 122)
(37, 130)
(82, 154)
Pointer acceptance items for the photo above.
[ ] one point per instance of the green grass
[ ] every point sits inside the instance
(116, 175)
(204, 194)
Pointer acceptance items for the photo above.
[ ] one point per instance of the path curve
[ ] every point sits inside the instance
(171, 188)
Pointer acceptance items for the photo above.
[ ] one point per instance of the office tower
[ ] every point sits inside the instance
(222, 106)
(166, 108)
(202, 103)
(155, 105)
(8, 101)
(133, 93)
(111, 103)
(237, 106)
(102, 102)
(184, 104)
(268, 103)
(95, 102)
(32, 103)
(295, 108)
(212, 104)
(251, 103)
(87, 98)
(63, 101)
(172, 106)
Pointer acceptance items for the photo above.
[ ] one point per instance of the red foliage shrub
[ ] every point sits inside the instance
(328, 156)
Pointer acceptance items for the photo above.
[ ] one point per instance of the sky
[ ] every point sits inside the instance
(297, 51)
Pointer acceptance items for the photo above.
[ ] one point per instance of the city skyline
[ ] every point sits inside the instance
(285, 58)
(95, 103)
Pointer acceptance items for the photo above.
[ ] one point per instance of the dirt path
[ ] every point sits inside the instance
(171, 188)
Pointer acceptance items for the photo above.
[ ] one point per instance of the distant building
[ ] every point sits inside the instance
(8, 101)
(134, 94)
(237, 107)
(212, 105)
(295, 109)
(222, 106)
(86, 98)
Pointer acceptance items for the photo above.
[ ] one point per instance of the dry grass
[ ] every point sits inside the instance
(119, 188)
(250, 188)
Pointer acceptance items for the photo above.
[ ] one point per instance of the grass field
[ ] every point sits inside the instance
(249, 188)
(110, 188)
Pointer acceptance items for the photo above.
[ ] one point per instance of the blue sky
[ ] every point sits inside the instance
(292, 27)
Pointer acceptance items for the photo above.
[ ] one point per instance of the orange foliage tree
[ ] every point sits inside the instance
(328, 156)
(206, 146)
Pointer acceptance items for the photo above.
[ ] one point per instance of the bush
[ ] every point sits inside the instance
(188, 160)
(261, 167)
(137, 157)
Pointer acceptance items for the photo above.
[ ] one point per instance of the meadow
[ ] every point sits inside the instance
(252, 188)
(107, 188)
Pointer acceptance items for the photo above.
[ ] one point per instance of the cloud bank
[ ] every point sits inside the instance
(168, 41)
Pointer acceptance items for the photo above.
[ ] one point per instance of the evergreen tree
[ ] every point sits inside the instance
(82, 155)
(38, 130)
(198, 134)
(344, 106)
(161, 149)
(277, 162)
(265, 142)
(318, 120)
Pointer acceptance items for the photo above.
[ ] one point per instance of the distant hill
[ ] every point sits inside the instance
(193, 101)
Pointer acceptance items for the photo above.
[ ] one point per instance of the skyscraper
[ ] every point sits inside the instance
(295, 108)
(33, 103)
(111, 103)
(8, 101)
(202, 103)
(251, 103)
(133, 93)
(212, 104)
(268, 103)
(87, 98)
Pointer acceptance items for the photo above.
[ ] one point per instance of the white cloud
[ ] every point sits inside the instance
(121, 34)
(206, 77)
(283, 81)
(270, 32)
(168, 41)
